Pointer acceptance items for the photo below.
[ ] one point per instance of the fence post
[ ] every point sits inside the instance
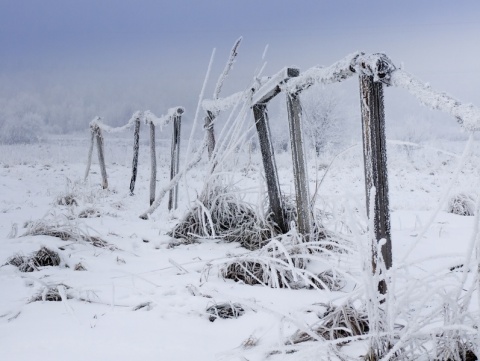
(136, 146)
(375, 160)
(90, 151)
(302, 195)
(259, 100)
(101, 157)
(209, 118)
(271, 174)
(175, 159)
(153, 163)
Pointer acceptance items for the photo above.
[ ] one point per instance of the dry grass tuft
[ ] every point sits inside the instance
(53, 293)
(42, 258)
(225, 310)
(453, 349)
(282, 263)
(79, 267)
(89, 213)
(66, 232)
(146, 306)
(336, 323)
(462, 204)
(328, 278)
(221, 214)
(67, 200)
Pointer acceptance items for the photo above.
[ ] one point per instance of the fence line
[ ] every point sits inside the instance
(96, 127)
(374, 71)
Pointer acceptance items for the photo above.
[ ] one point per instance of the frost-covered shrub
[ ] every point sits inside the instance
(221, 213)
(323, 118)
(24, 129)
(462, 204)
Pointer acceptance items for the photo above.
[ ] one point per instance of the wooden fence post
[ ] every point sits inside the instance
(136, 146)
(260, 99)
(375, 159)
(302, 194)
(101, 156)
(175, 159)
(209, 118)
(270, 168)
(90, 151)
(153, 163)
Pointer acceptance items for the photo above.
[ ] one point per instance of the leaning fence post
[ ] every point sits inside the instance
(270, 168)
(294, 109)
(136, 146)
(259, 100)
(175, 159)
(375, 159)
(153, 163)
(101, 157)
(90, 151)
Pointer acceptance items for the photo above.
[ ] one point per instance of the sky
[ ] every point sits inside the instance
(113, 57)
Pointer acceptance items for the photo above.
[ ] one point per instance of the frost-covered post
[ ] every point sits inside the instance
(209, 118)
(90, 151)
(153, 163)
(375, 159)
(136, 146)
(259, 105)
(101, 156)
(175, 159)
(269, 166)
(302, 195)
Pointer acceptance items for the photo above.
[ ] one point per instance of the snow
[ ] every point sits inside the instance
(180, 283)
(145, 116)
(163, 119)
(223, 104)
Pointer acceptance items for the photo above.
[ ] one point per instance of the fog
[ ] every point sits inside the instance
(64, 62)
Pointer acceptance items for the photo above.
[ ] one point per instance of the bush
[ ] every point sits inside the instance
(24, 129)
(462, 204)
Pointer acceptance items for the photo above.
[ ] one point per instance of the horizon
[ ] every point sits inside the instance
(112, 58)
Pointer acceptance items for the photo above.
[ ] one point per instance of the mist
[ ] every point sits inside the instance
(65, 62)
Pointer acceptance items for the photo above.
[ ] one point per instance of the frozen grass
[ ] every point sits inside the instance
(462, 204)
(66, 231)
(42, 258)
(221, 213)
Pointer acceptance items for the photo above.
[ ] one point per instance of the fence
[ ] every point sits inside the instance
(173, 115)
(374, 71)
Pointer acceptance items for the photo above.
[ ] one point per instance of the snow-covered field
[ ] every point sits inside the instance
(140, 299)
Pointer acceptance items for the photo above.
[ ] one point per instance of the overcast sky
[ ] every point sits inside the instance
(155, 52)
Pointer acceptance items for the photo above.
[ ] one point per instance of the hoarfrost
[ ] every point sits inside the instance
(467, 115)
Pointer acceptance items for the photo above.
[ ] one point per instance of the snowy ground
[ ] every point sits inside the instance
(173, 287)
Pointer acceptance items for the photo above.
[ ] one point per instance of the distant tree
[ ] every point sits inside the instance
(24, 129)
(322, 117)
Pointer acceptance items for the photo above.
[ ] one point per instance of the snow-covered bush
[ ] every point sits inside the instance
(24, 129)
(462, 204)
(322, 116)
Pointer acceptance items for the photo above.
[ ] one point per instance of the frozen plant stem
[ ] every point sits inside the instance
(197, 157)
(210, 117)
